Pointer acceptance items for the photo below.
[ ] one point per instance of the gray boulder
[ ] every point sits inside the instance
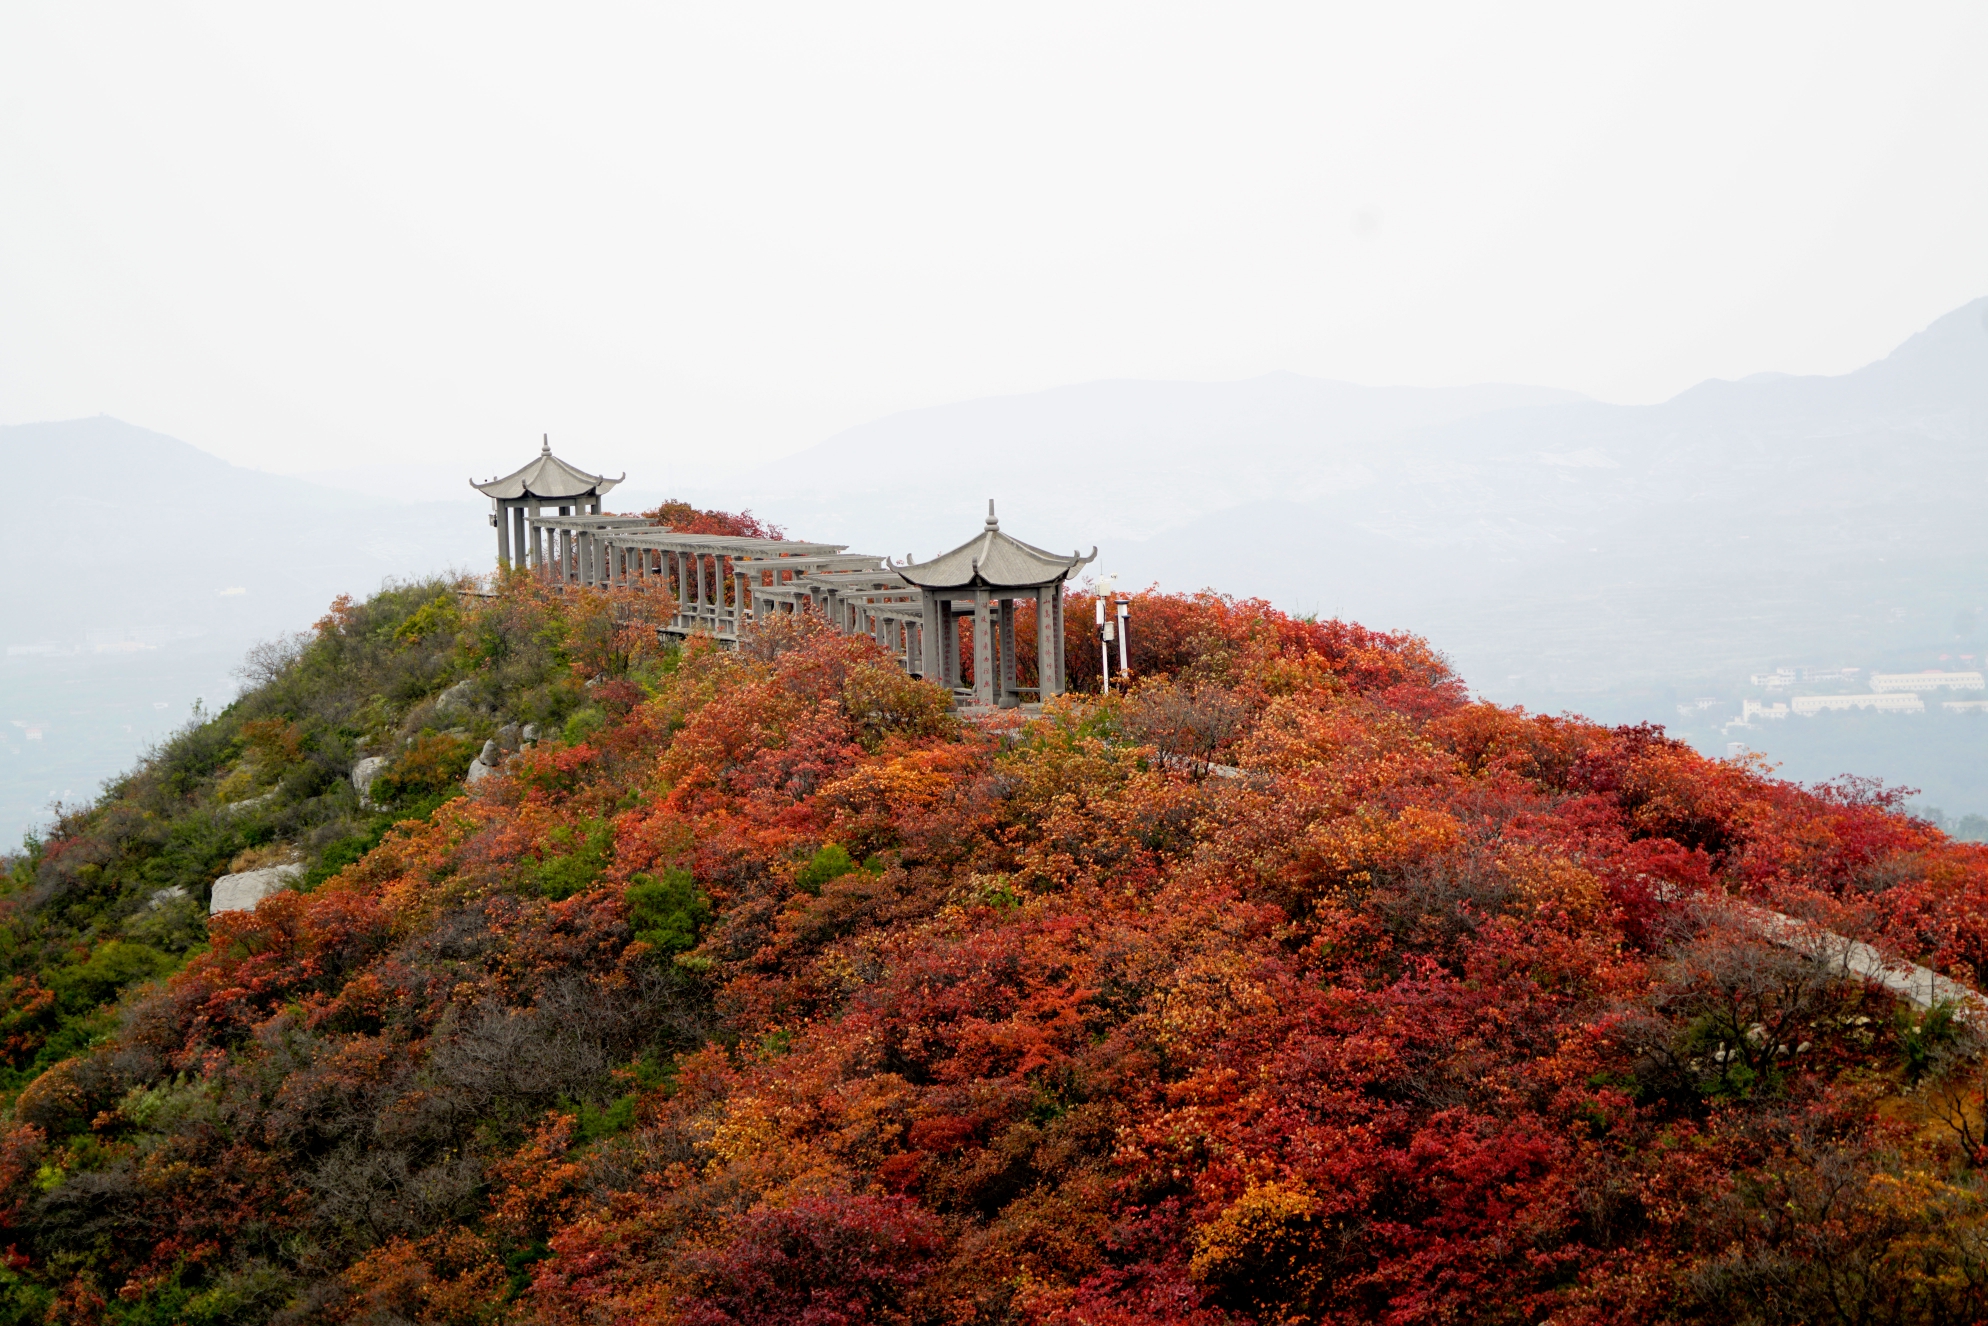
(172, 893)
(483, 765)
(363, 774)
(455, 700)
(508, 737)
(240, 892)
(529, 733)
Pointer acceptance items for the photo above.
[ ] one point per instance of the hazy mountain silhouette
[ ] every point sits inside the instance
(145, 568)
(1533, 534)
(1100, 461)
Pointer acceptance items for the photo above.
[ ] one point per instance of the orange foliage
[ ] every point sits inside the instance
(1394, 1024)
(683, 518)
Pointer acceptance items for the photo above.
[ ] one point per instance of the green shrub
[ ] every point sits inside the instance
(106, 972)
(583, 725)
(668, 913)
(831, 862)
(435, 764)
(564, 875)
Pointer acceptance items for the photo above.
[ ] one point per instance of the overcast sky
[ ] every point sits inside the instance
(305, 237)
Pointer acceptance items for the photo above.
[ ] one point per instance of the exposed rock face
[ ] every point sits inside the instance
(455, 700)
(530, 733)
(162, 897)
(363, 774)
(508, 737)
(250, 803)
(483, 765)
(241, 892)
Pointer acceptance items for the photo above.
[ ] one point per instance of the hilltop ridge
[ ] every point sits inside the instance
(762, 987)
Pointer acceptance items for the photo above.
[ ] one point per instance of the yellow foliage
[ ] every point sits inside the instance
(1264, 1234)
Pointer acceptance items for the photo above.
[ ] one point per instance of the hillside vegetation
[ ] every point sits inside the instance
(764, 988)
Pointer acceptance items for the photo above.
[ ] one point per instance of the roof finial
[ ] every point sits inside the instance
(545, 444)
(992, 523)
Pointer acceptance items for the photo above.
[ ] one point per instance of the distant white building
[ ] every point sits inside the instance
(1928, 680)
(1965, 706)
(1894, 702)
(1781, 678)
(1752, 709)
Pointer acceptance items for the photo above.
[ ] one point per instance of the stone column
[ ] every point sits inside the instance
(518, 535)
(1008, 676)
(949, 646)
(927, 660)
(983, 647)
(503, 537)
(538, 539)
(1046, 681)
(1062, 667)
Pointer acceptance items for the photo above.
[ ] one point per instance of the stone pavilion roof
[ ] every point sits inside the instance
(995, 560)
(547, 478)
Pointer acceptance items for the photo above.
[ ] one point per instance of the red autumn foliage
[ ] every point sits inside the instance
(684, 518)
(1429, 1013)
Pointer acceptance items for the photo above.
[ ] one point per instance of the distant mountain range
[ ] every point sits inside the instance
(144, 568)
(1556, 547)
(133, 532)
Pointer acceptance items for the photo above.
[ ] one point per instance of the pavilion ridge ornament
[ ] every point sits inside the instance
(551, 514)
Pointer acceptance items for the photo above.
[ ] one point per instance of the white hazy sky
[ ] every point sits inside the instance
(308, 237)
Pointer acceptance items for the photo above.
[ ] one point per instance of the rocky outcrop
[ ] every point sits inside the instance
(456, 700)
(240, 892)
(484, 764)
(363, 774)
(250, 803)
